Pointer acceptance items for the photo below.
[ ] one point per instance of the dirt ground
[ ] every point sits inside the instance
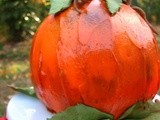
(14, 69)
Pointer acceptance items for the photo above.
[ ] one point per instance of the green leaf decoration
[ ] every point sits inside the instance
(27, 91)
(142, 111)
(113, 5)
(153, 116)
(81, 112)
(59, 5)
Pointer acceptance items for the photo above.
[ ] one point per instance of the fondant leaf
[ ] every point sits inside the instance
(113, 5)
(27, 91)
(81, 112)
(142, 110)
(59, 5)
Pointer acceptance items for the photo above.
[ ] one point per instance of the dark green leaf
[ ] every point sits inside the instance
(59, 5)
(81, 112)
(143, 111)
(113, 5)
(27, 91)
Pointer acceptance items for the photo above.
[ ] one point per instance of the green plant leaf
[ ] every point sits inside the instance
(27, 91)
(153, 116)
(59, 5)
(113, 5)
(143, 111)
(81, 112)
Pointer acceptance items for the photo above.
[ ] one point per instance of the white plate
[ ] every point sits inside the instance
(22, 107)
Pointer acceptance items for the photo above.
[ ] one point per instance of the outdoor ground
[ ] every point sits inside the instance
(15, 69)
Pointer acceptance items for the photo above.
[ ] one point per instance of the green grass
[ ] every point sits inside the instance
(2, 108)
(14, 70)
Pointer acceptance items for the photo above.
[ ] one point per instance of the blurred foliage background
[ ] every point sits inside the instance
(152, 9)
(18, 22)
(20, 18)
